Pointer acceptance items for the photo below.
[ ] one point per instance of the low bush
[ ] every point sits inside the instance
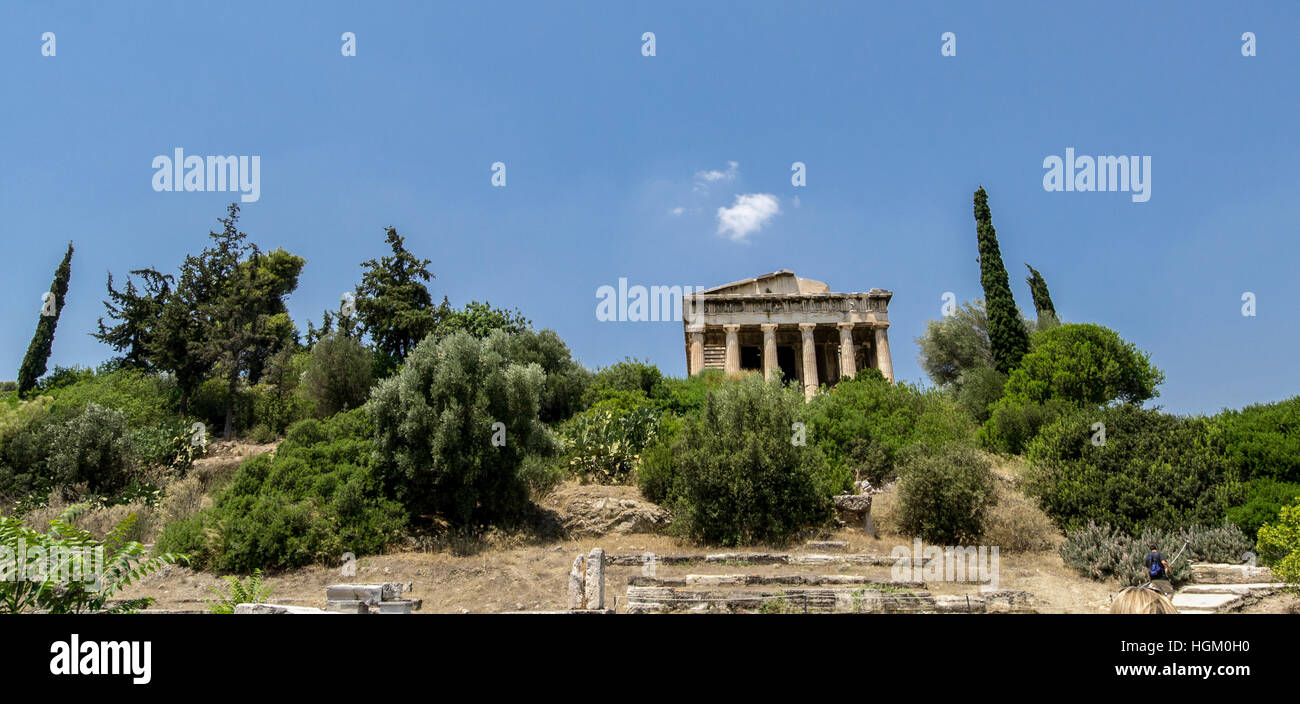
(1263, 501)
(1015, 523)
(1263, 441)
(1279, 545)
(944, 494)
(1102, 552)
(313, 500)
(603, 444)
(863, 423)
(1013, 424)
(735, 475)
(1153, 471)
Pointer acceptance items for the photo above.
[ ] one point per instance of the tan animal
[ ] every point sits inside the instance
(1142, 600)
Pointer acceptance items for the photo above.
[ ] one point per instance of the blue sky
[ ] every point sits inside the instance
(602, 144)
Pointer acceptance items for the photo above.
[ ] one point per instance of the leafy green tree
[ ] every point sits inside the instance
(479, 319)
(454, 425)
(955, 344)
(338, 375)
(1263, 499)
(1042, 299)
(240, 305)
(38, 352)
(393, 303)
(1008, 339)
(1085, 364)
(566, 381)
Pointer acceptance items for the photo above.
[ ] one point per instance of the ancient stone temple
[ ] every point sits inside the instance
(789, 328)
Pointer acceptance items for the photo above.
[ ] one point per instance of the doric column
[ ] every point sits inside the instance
(732, 365)
(883, 362)
(809, 360)
(847, 366)
(770, 370)
(697, 351)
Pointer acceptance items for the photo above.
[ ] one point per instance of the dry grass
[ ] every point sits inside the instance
(181, 497)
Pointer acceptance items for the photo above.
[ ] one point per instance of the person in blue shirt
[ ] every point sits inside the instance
(1158, 570)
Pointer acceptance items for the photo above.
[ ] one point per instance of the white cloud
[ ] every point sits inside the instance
(677, 211)
(704, 178)
(747, 215)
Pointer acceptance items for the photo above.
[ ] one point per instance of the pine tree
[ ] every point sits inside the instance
(137, 312)
(1042, 299)
(38, 352)
(1008, 338)
(393, 304)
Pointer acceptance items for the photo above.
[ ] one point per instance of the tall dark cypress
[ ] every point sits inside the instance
(1008, 339)
(1038, 288)
(38, 352)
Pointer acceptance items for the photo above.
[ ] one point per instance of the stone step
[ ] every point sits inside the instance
(1260, 589)
(763, 558)
(740, 580)
(276, 609)
(1215, 573)
(831, 600)
(347, 606)
(1211, 601)
(369, 593)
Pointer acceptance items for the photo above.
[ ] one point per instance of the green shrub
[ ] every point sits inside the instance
(169, 444)
(1012, 424)
(1102, 552)
(313, 500)
(338, 374)
(603, 444)
(93, 448)
(142, 399)
(630, 375)
(863, 423)
(1264, 499)
(1154, 470)
(1279, 545)
(978, 389)
(735, 476)
(1263, 441)
(944, 494)
(684, 397)
(436, 422)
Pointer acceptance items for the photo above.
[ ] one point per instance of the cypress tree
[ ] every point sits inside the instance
(38, 352)
(1042, 299)
(1008, 339)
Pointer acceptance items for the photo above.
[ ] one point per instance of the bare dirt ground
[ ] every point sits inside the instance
(518, 573)
(535, 577)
